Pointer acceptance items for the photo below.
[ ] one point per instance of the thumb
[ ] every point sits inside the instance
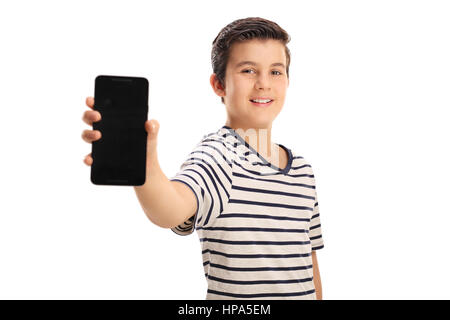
(152, 128)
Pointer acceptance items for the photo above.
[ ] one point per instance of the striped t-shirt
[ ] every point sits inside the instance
(257, 223)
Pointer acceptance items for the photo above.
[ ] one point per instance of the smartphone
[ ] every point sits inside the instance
(119, 156)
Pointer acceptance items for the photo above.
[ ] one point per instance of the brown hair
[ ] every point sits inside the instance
(241, 30)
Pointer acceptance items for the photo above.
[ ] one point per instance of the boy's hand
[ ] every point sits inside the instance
(90, 116)
(151, 126)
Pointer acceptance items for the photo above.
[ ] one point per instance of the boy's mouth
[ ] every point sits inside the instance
(261, 102)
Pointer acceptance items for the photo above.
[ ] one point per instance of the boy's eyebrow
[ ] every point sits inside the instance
(276, 64)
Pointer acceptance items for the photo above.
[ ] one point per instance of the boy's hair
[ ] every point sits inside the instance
(239, 31)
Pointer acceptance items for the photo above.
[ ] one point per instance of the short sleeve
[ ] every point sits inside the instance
(207, 171)
(315, 229)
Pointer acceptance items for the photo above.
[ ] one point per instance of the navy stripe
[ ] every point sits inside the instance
(315, 227)
(317, 248)
(270, 204)
(302, 166)
(237, 174)
(260, 216)
(315, 216)
(203, 193)
(315, 237)
(213, 182)
(252, 229)
(265, 164)
(261, 174)
(242, 282)
(256, 173)
(256, 256)
(260, 295)
(212, 169)
(301, 175)
(200, 164)
(278, 243)
(272, 192)
(209, 191)
(247, 269)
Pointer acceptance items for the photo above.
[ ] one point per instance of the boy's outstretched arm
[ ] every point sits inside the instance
(166, 203)
(316, 275)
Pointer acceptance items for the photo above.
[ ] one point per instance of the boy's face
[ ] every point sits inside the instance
(265, 78)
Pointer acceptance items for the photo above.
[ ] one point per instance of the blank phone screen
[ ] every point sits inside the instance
(119, 156)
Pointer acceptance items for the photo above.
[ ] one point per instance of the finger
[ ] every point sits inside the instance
(91, 135)
(90, 102)
(88, 159)
(91, 116)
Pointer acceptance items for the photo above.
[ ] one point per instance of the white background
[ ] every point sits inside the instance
(367, 105)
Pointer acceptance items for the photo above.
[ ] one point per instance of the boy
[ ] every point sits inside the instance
(252, 202)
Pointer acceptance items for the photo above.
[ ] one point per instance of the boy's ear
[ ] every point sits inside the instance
(217, 87)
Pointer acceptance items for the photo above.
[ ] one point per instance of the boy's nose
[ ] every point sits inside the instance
(262, 82)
